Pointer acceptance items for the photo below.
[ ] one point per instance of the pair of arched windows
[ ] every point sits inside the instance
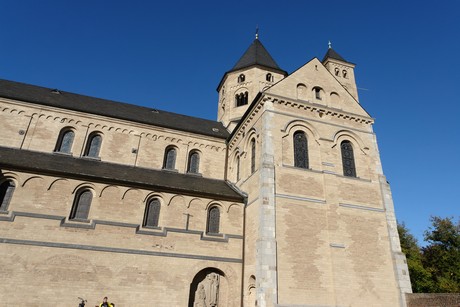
(301, 154)
(65, 142)
(193, 165)
(241, 99)
(6, 193)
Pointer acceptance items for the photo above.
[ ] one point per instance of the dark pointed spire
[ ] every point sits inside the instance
(256, 54)
(332, 54)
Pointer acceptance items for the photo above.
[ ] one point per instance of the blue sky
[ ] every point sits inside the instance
(171, 56)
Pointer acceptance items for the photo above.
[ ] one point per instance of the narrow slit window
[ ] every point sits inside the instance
(253, 156)
(238, 168)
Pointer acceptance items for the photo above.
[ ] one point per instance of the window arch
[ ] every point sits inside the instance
(152, 213)
(6, 193)
(269, 77)
(81, 205)
(93, 145)
(348, 159)
(170, 158)
(300, 150)
(337, 71)
(213, 220)
(65, 141)
(241, 78)
(344, 73)
(253, 156)
(241, 99)
(194, 162)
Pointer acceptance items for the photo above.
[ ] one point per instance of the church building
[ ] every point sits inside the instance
(280, 202)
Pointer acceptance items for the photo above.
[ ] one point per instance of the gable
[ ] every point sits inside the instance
(301, 84)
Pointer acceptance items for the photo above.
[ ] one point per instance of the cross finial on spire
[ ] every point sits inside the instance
(330, 45)
(257, 31)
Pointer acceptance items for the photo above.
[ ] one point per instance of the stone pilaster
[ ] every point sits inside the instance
(266, 266)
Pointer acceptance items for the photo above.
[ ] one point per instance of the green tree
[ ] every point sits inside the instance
(421, 279)
(441, 256)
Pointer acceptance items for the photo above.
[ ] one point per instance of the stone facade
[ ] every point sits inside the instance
(257, 223)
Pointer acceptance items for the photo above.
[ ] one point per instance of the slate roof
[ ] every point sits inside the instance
(70, 101)
(55, 164)
(332, 54)
(256, 54)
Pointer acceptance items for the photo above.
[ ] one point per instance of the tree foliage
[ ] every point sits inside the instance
(436, 266)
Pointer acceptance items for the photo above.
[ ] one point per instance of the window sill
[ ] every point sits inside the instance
(62, 153)
(170, 170)
(92, 158)
(78, 223)
(195, 174)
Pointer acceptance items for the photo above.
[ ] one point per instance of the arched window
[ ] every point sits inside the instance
(348, 159)
(152, 213)
(170, 158)
(241, 99)
(253, 156)
(213, 220)
(241, 78)
(269, 77)
(93, 146)
(237, 168)
(337, 71)
(317, 93)
(65, 141)
(344, 73)
(6, 193)
(300, 149)
(193, 162)
(81, 205)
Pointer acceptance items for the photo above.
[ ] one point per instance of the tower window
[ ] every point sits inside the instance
(241, 99)
(253, 156)
(170, 158)
(65, 141)
(269, 77)
(337, 71)
(81, 205)
(213, 220)
(344, 73)
(152, 213)
(241, 78)
(6, 193)
(93, 146)
(348, 159)
(193, 162)
(300, 150)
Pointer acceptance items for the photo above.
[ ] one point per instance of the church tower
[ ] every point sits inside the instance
(342, 70)
(254, 72)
